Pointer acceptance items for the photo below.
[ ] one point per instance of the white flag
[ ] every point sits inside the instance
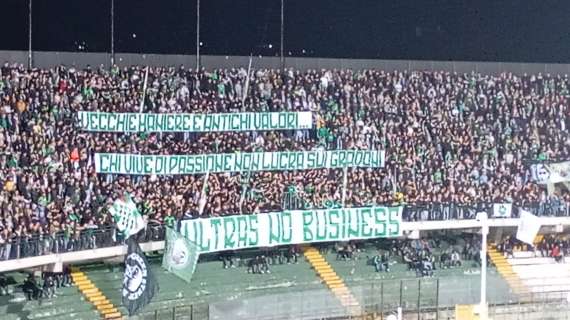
(529, 225)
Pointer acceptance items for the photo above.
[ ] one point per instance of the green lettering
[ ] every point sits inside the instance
(133, 122)
(242, 231)
(394, 219)
(365, 215)
(148, 164)
(292, 120)
(178, 121)
(286, 227)
(380, 221)
(253, 237)
(274, 228)
(93, 121)
(307, 222)
(216, 223)
(353, 228)
(321, 225)
(334, 225)
(229, 224)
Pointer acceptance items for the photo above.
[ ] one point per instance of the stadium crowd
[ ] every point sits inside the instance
(449, 138)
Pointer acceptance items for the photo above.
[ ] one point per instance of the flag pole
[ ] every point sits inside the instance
(246, 81)
(202, 202)
(30, 58)
(482, 217)
(197, 35)
(144, 90)
(112, 33)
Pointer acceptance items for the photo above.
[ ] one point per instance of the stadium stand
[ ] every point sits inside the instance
(455, 145)
(542, 269)
(67, 303)
(435, 127)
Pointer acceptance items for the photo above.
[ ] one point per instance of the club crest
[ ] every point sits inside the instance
(134, 282)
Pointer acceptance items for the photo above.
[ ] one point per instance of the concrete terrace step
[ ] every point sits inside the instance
(547, 281)
(80, 315)
(115, 315)
(524, 254)
(91, 291)
(82, 282)
(101, 307)
(531, 260)
(101, 302)
(550, 288)
(542, 271)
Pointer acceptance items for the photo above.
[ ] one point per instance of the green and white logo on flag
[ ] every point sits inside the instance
(502, 210)
(180, 256)
(128, 219)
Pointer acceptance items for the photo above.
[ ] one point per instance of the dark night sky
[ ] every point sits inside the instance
(521, 30)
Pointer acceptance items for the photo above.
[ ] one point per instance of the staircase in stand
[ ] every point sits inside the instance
(94, 295)
(332, 280)
(505, 269)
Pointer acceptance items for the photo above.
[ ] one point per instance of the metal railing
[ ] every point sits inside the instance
(422, 299)
(37, 245)
(458, 211)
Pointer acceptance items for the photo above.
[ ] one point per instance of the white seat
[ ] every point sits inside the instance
(550, 281)
(558, 288)
(523, 254)
(529, 260)
(542, 270)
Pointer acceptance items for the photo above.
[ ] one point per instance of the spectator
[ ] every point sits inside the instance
(454, 142)
(227, 259)
(381, 262)
(455, 259)
(557, 253)
(31, 289)
(48, 287)
(3, 285)
(293, 252)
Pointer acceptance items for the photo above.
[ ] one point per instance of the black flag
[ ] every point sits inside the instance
(139, 284)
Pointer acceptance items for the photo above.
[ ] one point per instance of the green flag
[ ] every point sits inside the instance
(127, 217)
(180, 256)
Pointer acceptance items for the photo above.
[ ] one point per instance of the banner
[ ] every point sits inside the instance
(193, 122)
(180, 256)
(235, 162)
(528, 227)
(139, 284)
(292, 227)
(551, 172)
(127, 217)
(502, 210)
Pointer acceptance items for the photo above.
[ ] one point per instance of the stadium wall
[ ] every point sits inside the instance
(45, 59)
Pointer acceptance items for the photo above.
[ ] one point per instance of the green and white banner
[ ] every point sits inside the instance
(180, 256)
(551, 172)
(193, 122)
(235, 162)
(128, 219)
(292, 227)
